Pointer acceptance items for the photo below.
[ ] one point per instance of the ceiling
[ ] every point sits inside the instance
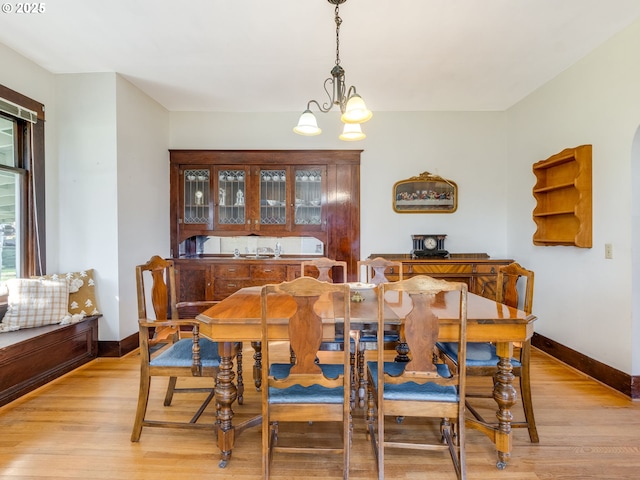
(261, 56)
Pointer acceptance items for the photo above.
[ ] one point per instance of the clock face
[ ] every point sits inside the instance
(430, 243)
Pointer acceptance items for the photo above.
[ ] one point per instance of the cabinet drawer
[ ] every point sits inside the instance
(272, 273)
(223, 287)
(232, 271)
(437, 269)
(487, 269)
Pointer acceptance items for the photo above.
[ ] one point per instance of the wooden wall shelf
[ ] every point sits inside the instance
(563, 194)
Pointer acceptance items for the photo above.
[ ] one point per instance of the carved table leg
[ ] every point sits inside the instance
(257, 364)
(226, 394)
(240, 382)
(362, 379)
(505, 396)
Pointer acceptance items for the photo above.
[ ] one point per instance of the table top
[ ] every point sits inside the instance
(238, 317)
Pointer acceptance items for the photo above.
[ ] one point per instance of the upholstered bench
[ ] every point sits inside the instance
(48, 327)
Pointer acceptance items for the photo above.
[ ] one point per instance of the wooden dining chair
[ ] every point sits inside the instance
(324, 269)
(168, 351)
(306, 391)
(482, 359)
(374, 272)
(421, 387)
(333, 271)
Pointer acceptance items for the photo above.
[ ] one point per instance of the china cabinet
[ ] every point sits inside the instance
(278, 193)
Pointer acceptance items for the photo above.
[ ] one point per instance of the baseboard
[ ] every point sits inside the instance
(118, 348)
(623, 382)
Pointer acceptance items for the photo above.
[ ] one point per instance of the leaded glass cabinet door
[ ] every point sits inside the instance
(196, 191)
(273, 211)
(310, 198)
(232, 199)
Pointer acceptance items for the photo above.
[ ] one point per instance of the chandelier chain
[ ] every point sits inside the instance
(338, 23)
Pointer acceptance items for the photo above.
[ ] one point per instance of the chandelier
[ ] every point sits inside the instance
(354, 111)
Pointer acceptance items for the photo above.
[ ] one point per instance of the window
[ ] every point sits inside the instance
(21, 186)
(11, 194)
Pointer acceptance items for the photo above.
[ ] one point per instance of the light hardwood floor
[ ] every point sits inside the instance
(78, 427)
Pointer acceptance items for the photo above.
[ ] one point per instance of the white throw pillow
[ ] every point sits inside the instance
(35, 302)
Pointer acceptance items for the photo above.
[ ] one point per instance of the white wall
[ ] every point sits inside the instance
(635, 252)
(142, 197)
(112, 188)
(582, 300)
(468, 148)
(87, 183)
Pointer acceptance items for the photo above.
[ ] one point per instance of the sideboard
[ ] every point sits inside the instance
(213, 278)
(477, 270)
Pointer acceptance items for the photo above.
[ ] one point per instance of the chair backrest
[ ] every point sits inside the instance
(162, 292)
(303, 305)
(507, 286)
(375, 270)
(325, 268)
(421, 325)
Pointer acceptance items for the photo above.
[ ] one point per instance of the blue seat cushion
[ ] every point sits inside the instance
(372, 337)
(179, 354)
(311, 394)
(479, 354)
(338, 340)
(411, 390)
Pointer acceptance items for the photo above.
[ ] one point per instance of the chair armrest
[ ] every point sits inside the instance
(147, 322)
(191, 309)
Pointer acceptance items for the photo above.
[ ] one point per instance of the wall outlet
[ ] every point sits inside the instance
(608, 251)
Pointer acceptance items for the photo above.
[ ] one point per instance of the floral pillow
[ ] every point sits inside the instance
(35, 302)
(82, 292)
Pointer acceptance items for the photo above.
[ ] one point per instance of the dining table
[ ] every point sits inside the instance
(237, 318)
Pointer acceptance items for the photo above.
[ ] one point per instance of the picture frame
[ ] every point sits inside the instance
(425, 193)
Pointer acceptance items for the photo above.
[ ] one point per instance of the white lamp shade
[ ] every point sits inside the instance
(356, 111)
(307, 125)
(352, 132)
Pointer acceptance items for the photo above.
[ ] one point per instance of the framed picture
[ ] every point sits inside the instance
(425, 193)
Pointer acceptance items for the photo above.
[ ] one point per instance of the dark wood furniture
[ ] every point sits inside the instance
(32, 357)
(206, 278)
(326, 393)
(238, 318)
(477, 270)
(164, 351)
(421, 387)
(266, 192)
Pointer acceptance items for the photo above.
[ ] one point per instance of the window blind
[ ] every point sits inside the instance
(18, 111)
